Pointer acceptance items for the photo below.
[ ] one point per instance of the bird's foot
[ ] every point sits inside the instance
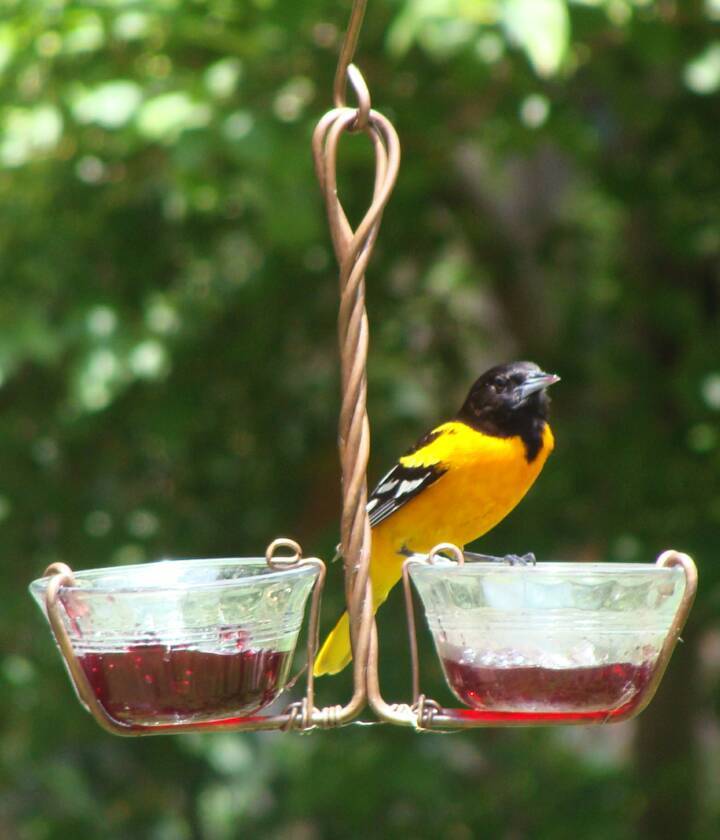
(508, 560)
(520, 559)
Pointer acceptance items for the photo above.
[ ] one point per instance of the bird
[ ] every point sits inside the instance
(456, 483)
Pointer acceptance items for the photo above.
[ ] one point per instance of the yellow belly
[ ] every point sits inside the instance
(487, 480)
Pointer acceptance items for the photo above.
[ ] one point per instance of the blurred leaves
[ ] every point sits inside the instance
(541, 28)
(702, 74)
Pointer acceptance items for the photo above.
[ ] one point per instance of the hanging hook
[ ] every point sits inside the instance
(353, 249)
(347, 52)
(363, 98)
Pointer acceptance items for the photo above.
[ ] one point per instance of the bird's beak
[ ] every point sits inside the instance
(535, 382)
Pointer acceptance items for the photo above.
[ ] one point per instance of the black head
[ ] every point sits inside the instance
(509, 400)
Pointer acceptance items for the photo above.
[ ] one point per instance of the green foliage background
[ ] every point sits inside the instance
(168, 377)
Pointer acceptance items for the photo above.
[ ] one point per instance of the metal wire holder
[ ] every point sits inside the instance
(301, 715)
(424, 713)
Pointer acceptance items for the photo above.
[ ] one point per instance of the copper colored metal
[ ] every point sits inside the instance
(427, 714)
(669, 558)
(347, 51)
(278, 562)
(353, 249)
(459, 557)
(301, 715)
(62, 576)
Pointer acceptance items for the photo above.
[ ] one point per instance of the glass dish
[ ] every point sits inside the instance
(184, 641)
(568, 639)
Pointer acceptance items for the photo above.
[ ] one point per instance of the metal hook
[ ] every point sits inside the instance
(362, 93)
(443, 549)
(279, 562)
(347, 52)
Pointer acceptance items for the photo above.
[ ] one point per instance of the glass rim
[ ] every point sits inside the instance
(38, 586)
(569, 568)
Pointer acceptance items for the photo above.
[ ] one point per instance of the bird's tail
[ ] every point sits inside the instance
(335, 653)
(385, 572)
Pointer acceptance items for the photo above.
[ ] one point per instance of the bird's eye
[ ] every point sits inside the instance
(499, 384)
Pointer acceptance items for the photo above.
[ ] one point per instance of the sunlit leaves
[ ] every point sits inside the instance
(149, 359)
(161, 316)
(292, 99)
(710, 390)
(131, 26)
(99, 378)
(702, 74)
(165, 117)
(28, 133)
(541, 28)
(85, 31)
(221, 78)
(439, 25)
(101, 321)
(110, 105)
(7, 44)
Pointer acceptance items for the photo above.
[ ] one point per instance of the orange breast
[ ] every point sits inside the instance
(486, 479)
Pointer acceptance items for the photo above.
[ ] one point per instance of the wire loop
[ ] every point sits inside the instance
(425, 709)
(359, 85)
(60, 569)
(353, 249)
(443, 549)
(280, 562)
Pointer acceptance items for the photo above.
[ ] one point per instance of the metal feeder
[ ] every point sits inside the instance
(540, 644)
(203, 619)
(186, 645)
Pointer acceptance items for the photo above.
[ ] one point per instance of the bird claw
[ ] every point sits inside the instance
(508, 560)
(520, 559)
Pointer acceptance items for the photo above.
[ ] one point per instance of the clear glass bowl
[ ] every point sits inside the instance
(183, 641)
(554, 638)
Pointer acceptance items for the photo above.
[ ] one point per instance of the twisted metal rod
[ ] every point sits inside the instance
(353, 249)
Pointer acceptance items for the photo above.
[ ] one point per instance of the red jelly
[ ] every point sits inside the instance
(537, 693)
(155, 684)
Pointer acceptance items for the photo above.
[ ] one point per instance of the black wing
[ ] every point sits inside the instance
(399, 486)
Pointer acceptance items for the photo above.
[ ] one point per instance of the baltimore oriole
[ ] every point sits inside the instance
(456, 483)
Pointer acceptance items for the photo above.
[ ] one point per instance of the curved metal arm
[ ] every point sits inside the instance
(62, 576)
(668, 559)
(302, 715)
(426, 714)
